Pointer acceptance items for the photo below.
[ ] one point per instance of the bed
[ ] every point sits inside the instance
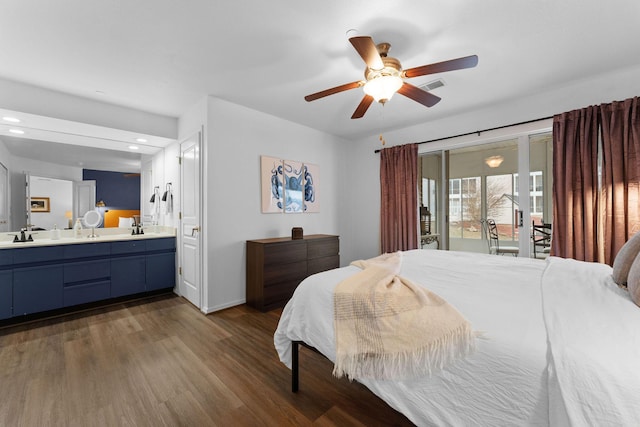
(559, 341)
(123, 218)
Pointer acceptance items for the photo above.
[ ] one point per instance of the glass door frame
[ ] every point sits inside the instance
(522, 133)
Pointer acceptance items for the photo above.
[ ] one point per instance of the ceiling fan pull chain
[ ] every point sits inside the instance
(382, 140)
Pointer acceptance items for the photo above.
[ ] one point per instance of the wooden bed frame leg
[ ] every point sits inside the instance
(294, 366)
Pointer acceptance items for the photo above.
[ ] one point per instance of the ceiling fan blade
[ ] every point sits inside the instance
(422, 96)
(440, 67)
(368, 51)
(362, 107)
(333, 90)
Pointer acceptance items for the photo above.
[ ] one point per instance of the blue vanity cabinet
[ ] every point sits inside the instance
(161, 264)
(6, 284)
(6, 294)
(128, 273)
(161, 271)
(86, 250)
(37, 289)
(37, 279)
(86, 281)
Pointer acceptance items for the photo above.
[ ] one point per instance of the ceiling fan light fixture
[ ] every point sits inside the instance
(383, 87)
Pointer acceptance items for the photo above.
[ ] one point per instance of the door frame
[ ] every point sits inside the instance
(522, 133)
(201, 219)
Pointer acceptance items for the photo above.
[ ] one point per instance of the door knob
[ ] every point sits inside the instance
(194, 229)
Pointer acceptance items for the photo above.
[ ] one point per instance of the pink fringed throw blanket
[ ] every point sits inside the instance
(387, 327)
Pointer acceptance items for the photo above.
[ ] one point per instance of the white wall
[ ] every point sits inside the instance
(5, 156)
(166, 169)
(5, 160)
(171, 175)
(236, 137)
(360, 200)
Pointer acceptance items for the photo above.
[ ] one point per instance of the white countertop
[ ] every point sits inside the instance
(43, 238)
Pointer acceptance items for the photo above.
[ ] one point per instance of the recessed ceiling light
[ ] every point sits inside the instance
(141, 140)
(133, 147)
(16, 131)
(11, 119)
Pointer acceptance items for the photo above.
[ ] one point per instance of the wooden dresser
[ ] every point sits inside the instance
(276, 266)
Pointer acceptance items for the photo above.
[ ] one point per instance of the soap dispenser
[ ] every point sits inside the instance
(55, 233)
(77, 229)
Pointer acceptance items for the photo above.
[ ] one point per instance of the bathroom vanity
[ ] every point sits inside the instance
(47, 274)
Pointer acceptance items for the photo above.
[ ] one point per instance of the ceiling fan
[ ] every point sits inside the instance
(384, 76)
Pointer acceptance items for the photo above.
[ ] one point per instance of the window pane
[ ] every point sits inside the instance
(501, 205)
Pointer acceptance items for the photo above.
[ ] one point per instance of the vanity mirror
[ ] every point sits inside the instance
(58, 149)
(47, 202)
(92, 219)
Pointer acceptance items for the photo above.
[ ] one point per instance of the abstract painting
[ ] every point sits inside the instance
(289, 186)
(311, 182)
(293, 187)
(272, 184)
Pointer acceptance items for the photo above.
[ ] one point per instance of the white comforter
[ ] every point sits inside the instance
(593, 331)
(508, 381)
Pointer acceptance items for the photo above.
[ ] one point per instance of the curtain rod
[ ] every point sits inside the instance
(478, 132)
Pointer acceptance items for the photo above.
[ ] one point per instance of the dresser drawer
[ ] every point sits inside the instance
(323, 247)
(317, 265)
(278, 295)
(274, 274)
(285, 253)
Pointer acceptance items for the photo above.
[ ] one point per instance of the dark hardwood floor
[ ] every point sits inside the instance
(161, 362)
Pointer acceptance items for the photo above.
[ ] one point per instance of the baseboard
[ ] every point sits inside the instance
(209, 310)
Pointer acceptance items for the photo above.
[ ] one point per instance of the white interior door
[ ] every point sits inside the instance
(189, 280)
(84, 197)
(27, 202)
(4, 199)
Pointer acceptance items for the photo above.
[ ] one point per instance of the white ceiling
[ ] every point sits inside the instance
(163, 56)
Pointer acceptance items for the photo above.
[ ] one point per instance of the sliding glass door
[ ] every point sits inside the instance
(540, 190)
(481, 182)
(430, 198)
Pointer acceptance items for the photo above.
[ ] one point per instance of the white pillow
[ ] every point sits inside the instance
(125, 222)
(625, 258)
(633, 282)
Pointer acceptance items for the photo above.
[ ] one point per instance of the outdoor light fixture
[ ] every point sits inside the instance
(494, 161)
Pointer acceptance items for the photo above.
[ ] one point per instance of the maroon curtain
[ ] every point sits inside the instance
(399, 198)
(620, 173)
(575, 184)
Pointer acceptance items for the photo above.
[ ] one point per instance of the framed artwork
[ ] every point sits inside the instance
(311, 174)
(288, 186)
(272, 184)
(40, 204)
(293, 187)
